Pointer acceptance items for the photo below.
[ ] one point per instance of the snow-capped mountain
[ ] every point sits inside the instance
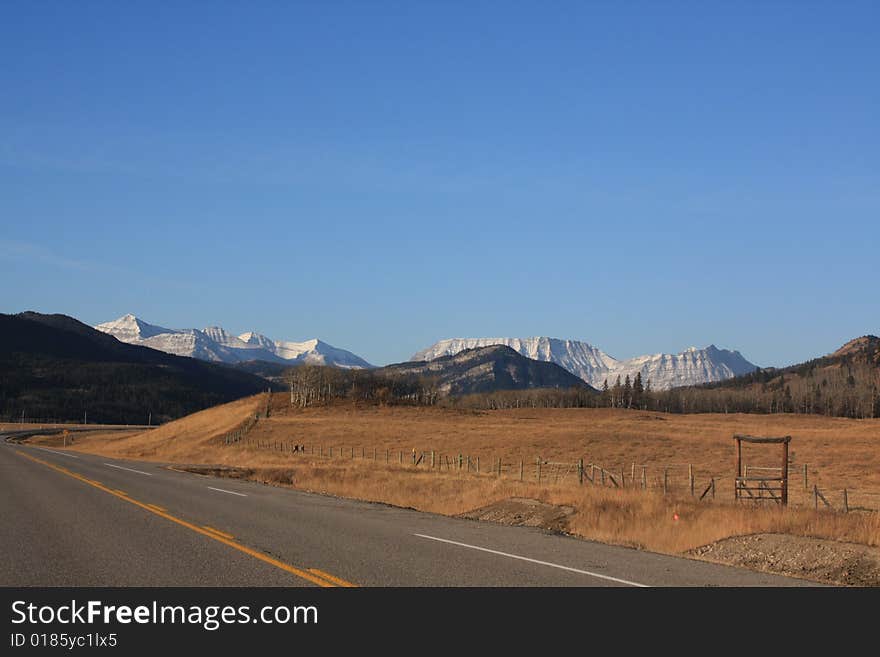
(691, 367)
(487, 369)
(581, 359)
(216, 344)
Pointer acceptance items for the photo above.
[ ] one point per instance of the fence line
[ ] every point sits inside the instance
(236, 434)
(673, 478)
(540, 470)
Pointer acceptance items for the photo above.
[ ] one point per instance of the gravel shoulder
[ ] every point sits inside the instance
(832, 562)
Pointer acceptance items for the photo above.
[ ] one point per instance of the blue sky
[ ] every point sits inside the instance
(642, 176)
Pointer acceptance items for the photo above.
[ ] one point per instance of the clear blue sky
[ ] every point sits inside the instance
(642, 176)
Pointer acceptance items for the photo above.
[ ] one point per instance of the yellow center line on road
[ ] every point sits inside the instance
(218, 532)
(323, 579)
(332, 578)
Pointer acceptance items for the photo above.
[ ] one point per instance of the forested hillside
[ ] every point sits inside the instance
(845, 383)
(53, 367)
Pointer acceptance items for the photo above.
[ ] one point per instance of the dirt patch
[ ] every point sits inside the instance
(216, 471)
(524, 512)
(274, 476)
(817, 559)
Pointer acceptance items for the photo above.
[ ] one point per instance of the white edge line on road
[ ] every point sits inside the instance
(231, 492)
(46, 449)
(119, 467)
(542, 563)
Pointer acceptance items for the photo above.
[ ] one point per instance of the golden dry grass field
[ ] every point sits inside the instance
(840, 453)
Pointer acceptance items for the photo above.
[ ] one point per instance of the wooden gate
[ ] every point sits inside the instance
(762, 488)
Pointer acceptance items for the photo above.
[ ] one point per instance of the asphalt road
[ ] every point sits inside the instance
(72, 519)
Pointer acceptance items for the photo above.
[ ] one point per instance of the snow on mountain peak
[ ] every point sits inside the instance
(287, 349)
(130, 326)
(215, 343)
(579, 358)
(221, 336)
(690, 367)
(257, 339)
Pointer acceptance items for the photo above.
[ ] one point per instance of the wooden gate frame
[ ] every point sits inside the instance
(739, 481)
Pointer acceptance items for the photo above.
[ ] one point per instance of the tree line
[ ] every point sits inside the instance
(848, 389)
(311, 385)
(845, 389)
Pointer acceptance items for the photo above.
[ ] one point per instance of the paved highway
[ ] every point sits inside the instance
(73, 519)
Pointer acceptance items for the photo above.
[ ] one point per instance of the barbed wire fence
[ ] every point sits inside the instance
(696, 481)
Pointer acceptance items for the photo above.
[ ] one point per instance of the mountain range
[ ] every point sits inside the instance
(690, 367)
(587, 362)
(216, 344)
(53, 366)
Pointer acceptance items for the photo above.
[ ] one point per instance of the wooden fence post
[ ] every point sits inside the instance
(538, 466)
(805, 478)
(432, 459)
(468, 463)
(815, 497)
(785, 473)
(622, 479)
(644, 477)
(691, 477)
(521, 467)
(478, 465)
(581, 472)
(739, 470)
(845, 501)
(665, 480)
